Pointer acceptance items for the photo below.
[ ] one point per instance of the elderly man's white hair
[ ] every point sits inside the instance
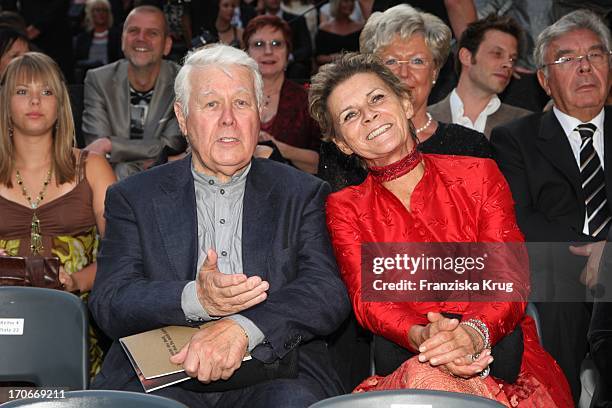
(218, 56)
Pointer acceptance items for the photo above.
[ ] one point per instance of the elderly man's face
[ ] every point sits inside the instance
(223, 120)
(579, 89)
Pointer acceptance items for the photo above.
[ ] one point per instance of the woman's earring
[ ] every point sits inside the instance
(11, 131)
(433, 82)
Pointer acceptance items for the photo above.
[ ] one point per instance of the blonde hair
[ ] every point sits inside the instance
(35, 66)
(89, 12)
(405, 21)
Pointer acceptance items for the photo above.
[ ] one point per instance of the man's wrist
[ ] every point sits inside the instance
(191, 304)
(246, 335)
(253, 334)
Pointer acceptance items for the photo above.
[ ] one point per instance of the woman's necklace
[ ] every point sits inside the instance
(270, 99)
(426, 125)
(268, 113)
(396, 170)
(35, 235)
(229, 27)
(274, 92)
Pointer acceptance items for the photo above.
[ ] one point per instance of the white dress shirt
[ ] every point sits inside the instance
(458, 113)
(569, 124)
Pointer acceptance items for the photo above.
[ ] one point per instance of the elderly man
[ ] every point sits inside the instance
(221, 237)
(487, 51)
(555, 165)
(128, 104)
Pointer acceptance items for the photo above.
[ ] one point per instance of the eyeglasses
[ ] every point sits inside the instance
(594, 57)
(414, 62)
(260, 44)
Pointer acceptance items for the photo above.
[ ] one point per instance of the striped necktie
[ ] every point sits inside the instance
(593, 183)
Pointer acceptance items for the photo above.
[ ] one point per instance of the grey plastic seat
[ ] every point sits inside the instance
(99, 399)
(407, 399)
(52, 351)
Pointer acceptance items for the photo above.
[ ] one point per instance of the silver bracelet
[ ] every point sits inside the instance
(485, 373)
(482, 330)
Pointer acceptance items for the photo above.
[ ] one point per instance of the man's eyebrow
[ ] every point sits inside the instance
(562, 52)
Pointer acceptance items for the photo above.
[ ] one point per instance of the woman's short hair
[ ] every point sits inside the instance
(89, 6)
(405, 21)
(267, 20)
(35, 66)
(335, 73)
(8, 36)
(576, 20)
(218, 56)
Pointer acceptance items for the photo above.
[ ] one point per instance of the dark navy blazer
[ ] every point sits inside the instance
(149, 253)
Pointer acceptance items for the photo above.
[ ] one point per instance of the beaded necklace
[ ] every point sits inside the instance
(35, 235)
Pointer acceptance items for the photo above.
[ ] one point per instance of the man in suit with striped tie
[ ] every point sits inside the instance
(555, 164)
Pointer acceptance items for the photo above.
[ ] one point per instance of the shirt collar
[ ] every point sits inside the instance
(211, 181)
(458, 114)
(492, 106)
(457, 104)
(569, 123)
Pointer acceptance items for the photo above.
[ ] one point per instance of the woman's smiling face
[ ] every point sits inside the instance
(370, 120)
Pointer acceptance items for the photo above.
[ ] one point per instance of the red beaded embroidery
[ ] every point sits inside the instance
(397, 169)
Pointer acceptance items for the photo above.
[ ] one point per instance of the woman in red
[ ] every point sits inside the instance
(412, 197)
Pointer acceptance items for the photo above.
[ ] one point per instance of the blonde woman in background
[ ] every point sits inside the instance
(100, 44)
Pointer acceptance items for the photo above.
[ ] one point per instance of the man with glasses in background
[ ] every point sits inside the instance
(485, 58)
(555, 165)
